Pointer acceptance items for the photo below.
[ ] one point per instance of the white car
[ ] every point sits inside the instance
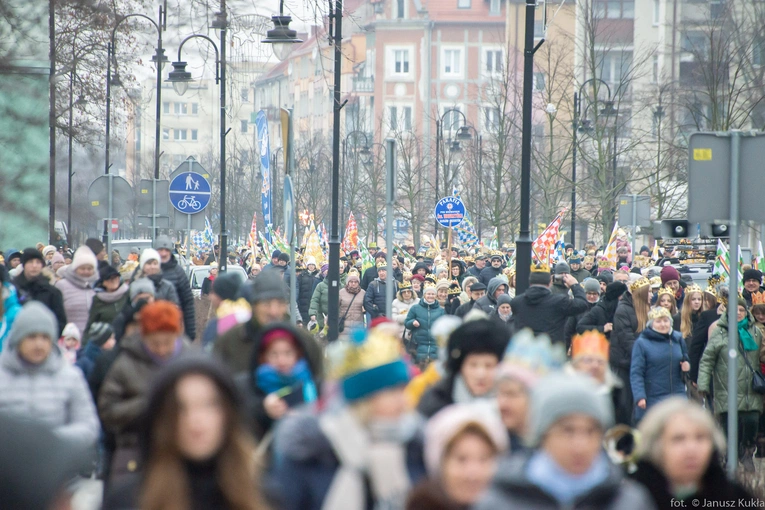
(197, 275)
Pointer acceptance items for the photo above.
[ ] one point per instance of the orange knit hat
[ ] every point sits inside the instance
(160, 316)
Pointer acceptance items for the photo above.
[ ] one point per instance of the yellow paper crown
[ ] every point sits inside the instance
(382, 263)
(540, 268)
(657, 312)
(364, 350)
(589, 258)
(692, 288)
(429, 284)
(655, 281)
(509, 271)
(639, 283)
(407, 275)
(667, 291)
(454, 288)
(353, 271)
(758, 298)
(714, 280)
(405, 285)
(713, 292)
(589, 342)
(430, 278)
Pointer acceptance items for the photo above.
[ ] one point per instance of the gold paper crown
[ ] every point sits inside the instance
(714, 280)
(407, 275)
(468, 259)
(758, 298)
(509, 272)
(430, 278)
(454, 288)
(655, 281)
(364, 350)
(540, 268)
(405, 285)
(429, 284)
(657, 312)
(639, 283)
(692, 288)
(713, 292)
(589, 258)
(353, 271)
(382, 263)
(590, 342)
(667, 291)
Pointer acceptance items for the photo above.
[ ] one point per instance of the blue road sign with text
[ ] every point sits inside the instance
(189, 192)
(450, 211)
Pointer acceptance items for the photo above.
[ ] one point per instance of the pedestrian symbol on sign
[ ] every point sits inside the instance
(191, 184)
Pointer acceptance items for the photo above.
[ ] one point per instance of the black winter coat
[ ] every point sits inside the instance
(370, 275)
(174, 273)
(40, 289)
(543, 312)
(437, 397)
(623, 336)
(699, 339)
(474, 271)
(464, 308)
(598, 316)
(306, 284)
(489, 272)
(569, 330)
(715, 487)
(374, 299)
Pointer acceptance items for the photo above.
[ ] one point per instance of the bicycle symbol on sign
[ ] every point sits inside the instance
(189, 202)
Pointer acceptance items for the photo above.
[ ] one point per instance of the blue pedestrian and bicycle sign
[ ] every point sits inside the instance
(450, 211)
(189, 192)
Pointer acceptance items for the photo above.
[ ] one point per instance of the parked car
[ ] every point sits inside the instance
(123, 246)
(197, 275)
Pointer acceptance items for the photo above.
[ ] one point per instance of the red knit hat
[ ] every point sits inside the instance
(160, 316)
(274, 335)
(669, 273)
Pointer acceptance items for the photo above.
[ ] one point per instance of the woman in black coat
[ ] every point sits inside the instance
(603, 312)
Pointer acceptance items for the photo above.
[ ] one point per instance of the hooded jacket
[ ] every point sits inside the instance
(655, 371)
(53, 392)
(39, 289)
(319, 302)
(77, 293)
(374, 299)
(699, 339)
(713, 368)
(11, 308)
(125, 390)
(174, 273)
(488, 273)
(598, 316)
(512, 488)
(488, 303)
(306, 284)
(623, 335)
(544, 312)
(425, 345)
(107, 305)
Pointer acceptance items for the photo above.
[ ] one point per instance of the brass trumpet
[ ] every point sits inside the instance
(620, 443)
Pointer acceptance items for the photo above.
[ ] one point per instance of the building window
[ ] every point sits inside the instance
(494, 7)
(452, 62)
(614, 9)
(400, 118)
(463, 4)
(695, 42)
(179, 135)
(655, 69)
(195, 108)
(400, 6)
(194, 135)
(165, 107)
(491, 118)
(615, 67)
(245, 95)
(393, 114)
(656, 12)
(539, 28)
(539, 81)
(401, 61)
(180, 108)
(452, 119)
(243, 124)
(165, 134)
(493, 62)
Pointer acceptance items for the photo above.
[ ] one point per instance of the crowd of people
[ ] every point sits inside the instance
(462, 394)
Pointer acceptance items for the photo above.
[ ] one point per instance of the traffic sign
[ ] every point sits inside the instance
(122, 196)
(115, 226)
(189, 192)
(289, 209)
(450, 211)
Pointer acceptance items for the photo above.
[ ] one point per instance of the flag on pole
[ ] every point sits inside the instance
(466, 234)
(494, 243)
(408, 259)
(559, 254)
(759, 258)
(253, 231)
(278, 241)
(610, 256)
(655, 252)
(366, 259)
(313, 248)
(351, 237)
(268, 248)
(722, 260)
(544, 244)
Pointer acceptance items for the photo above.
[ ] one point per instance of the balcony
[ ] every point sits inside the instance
(364, 84)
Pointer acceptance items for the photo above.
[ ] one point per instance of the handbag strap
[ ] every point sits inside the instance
(743, 355)
(349, 305)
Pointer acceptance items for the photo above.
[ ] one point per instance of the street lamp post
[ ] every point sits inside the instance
(463, 133)
(180, 79)
(159, 60)
(355, 133)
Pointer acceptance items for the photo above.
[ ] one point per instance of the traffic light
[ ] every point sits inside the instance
(667, 229)
(715, 230)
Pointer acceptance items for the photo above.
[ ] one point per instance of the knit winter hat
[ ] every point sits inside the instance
(160, 316)
(453, 420)
(71, 331)
(268, 285)
(668, 274)
(226, 285)
(141, 286)
(83, 257)
(562, 268)
(559, 395)
(605, 276)
(33, 318)
(591, 285)
(148, 254)
(753, 274)
(504, 299)
(57, 257)
(107, 273)
(48, 249)
(99, 333)
(474, 337)
(614, 290)
(31, 254)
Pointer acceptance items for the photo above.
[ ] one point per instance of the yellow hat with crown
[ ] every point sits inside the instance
(692, 288)
(658, 312)
(540, 267)
(639, 283)
(591, 343)
(665, 291)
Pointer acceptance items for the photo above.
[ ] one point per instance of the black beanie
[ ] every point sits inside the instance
(539, 278)
(749, 274)
(226, 286)
(614, 290)
(31, 254)
(284, 257)
(474, 337)
(95, 245)
(99, 333)
(106, 273)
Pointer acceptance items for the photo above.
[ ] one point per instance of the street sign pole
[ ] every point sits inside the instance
(110, 205)
(732, 462)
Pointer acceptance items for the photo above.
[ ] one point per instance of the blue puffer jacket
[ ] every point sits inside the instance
(426, 315)
(11, 308)
(655, 372)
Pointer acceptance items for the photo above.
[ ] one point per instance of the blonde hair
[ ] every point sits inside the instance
(641, 305)
(686, 324)
(651, 447)
(470, 280)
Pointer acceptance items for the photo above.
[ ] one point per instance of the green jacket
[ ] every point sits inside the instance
(105, 307)
(320, 303)
(713, 368)
(424, 342)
